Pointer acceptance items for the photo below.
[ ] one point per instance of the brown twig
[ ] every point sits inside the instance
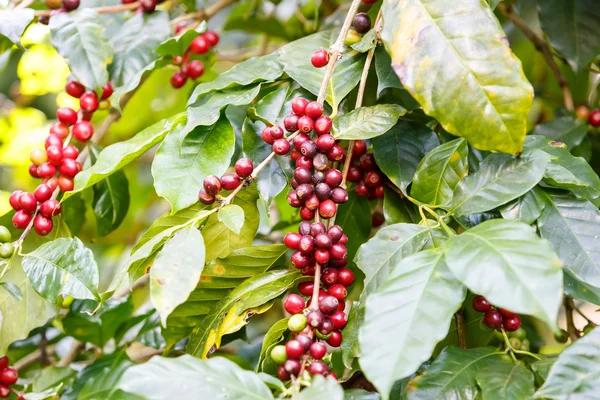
(205, 13)
(76, 348)
(100, 10)
(571, 328)
(459, 319)
(541, 45)
(33, 357)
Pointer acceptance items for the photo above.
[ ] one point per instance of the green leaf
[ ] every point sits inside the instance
(186, 377)
(360, 394)
(452, 374)
(579, 290)
(176, 271)
(397, 209)
(500, 179)
(507, 263)
(232, 312)
(367, 42)
(573, 228)
(182, 162)
(52, 377)
(390, 245)
(176, 46)
(567, 129)
(439, 172)
(572, 28)
(367, 122)
(354, 216)
(295, 57)
(135, 43)
(78, 37)
(505, 382)
(63, 267)
(12, 25)
(399, 152)
(350, 346)
(482, 94)
(420, 295)
(526, 208)
(13, 290)
(542, 367)
(218, 279)
(232, 217)
(118, 155)
(576, 372)
(322, 388)
(254, 70)
(273, 337)
(207, 109)
(386, 77)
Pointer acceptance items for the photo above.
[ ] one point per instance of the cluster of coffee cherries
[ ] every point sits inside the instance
(496, 318)
(8, 377)
(365, 173)
(361, 24)
(6, 247)
(212, 185)
(57, 7)
(146, 6)
(192, 68)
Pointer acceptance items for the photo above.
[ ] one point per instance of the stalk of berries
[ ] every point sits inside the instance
(364, 172)
(8, 377)
(496, 318)
(192, 69)
(57, 164)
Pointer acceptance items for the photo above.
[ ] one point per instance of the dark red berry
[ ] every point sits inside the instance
(83, 131)
(75, 89)
(339, 195)
(66, 115)
(42, 193)
(307, 214)
(339, 319)
(493, 319)
(333, 178)
(336, 339)
(281, 147)
(266, 135)
(325, 143)
(55, 154)
(14, 200)
(299, 140)
(21, 219)
(318, 368)
(4, 361)
(322, 256)
(315, 318)
(200, 45)
(290, 123)
(292, 367)
(33, 170)
(107, 91)
(294, 349)
(89, 101)
(292, 240)
(293, 200)
(293, 304)
(359, 148)
(480, 304)
(314, 110)
(346, 277)
(307, 244)
(211, 37)
(379, 192)
(511, 323)
(594, 118)
(212, 185)
(194, 69)
(319, 58)
(304, 228)
(304, 191)
(305, 124)
(178, 79)
(282, 373)
(328, 305)
(306, 288)
(373, 179)
(327, 209)
(327, 326)
(27, 202)
(367, 162)
(299, 105)
(338, 291)
(50, 208)
(205, 197)
(362, 22)
(277, 132)
(335, 232)
(302, 175)
(322, 125)
(43, 226)
(300, 260)
(318, 350)
(230, 181)
(506, 313)
(323, 241)
(336, 153)
(330, 276)
(70, 5)
(316, 228)
(323, 191)
(304, 340)
(244, 167)
(361, 189)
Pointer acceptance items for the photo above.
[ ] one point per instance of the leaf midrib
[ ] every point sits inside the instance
(33, 255)
(460, 371)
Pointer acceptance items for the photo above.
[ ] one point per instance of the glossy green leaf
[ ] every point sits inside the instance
(367, 122)
(420, 295)
(181, 163)
(52, 377)
(13, 24)
(505, 382)
(78, 37)
(188, 377)
(573, 228)
(322, 388)
(350, 346)
(354, 216)
(507, 263)
(397, 209)
(176, 271)
(63, 266)
(500, 179)
(452, 374)
(399, 152)
(542, 368)
(111, 202)
(360, 394)
(453, 58)
(386, 77)
(118, 155)
(567, 129)
(576, 372)
(572, 28)
(295, 58)
(232, 217)
(232, 312)
(439, 172)
(579, 290)
(273, 337)
(367, 42)
(526, 208)
(278, 22)
(176, 46)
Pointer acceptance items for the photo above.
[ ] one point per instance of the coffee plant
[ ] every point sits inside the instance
(358, 199)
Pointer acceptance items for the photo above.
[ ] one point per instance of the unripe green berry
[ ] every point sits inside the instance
(352, 37)
(588, 328)
(279, 354)
(5, 236)
(7, 250)
(519, 333)
(561, 337)
(525, 345)
(321, 336)
(515, 343)
(297, 322)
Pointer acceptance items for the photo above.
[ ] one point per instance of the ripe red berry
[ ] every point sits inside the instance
(21, 219)
(65, 184)
(327, 209)
(292, 240)
(205, 197)
(315, 318)
(339, 319)
(319, 58)
(42, 193)
(336, 153)
(230, 181)
(359, 148)
(303, 161)
(107, 91)
(336, 339)
(14, 200)
(322, 256)
(493, 319)
(480, 304)
(89, 101)
(367, 162)
(314, 110)
(379, 192)
(346, 277)
(4, 361)
(194, 69)
(373, 179)
(299, 141)
(38, 156)
(27, 202)
(68, 167)
(148, 6)
(212, 185)
(338, 291)
(46, 170)
(282, 373)
(307, 214)
(43, 226)
(178, 79)
(267, 137)
(308, 149)
(292, 367)
(318, 368)
(211, 37)
(281, 147)
(323, 241)
(506, 313)
(511, 323)
(290, 123)
(5, 392)
(306, 288)
(83, 131)
(200, 45)
(54, 154)
(328, 305)
(59, 129)
(306, 244)
(299, 105)
(305, 124)
(277, 132)
(322, 125)
(594, 118)
(293, 200)
(33, 170)
(318, 350)
(325, 142)
(70, 5)
(53, 140)
(75, 89)
(178, 59)
(66, 115)
(244, 167)
(362, 22)
(294, 349)
(293, 304)
(50, 208)
(70, 152)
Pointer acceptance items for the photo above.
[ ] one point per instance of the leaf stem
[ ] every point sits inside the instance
(571, 329)
(509, 348)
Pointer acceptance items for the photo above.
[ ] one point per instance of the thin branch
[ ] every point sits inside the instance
(571, 329)
(541, 45)
(76, 348)
(33, 357)
(459, 319)
(205, 13)
(100, 10)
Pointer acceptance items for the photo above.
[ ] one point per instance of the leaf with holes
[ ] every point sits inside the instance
(367, 122)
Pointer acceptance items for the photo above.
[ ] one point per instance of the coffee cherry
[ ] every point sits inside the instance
(53, 140)
(4, 361)
(293, 304)
(367, 162)
(52, 183)
(336, 153)
(230, 181)
(290, 123)
(70, 5)
(338, 291)
(323, 241)
(21, 219)
(304, 228)
(594, 118)
(325, 143)
(279, 354)
(5, 235)
(299, 140)
(89, 101)
(307, 244)
(212, 185)
(333, 178)
(328, 305)
(244, 167)
(327, 209)
(493, 319)
(330, 276)
(335, 232)
(293, 200)
(54, 154)
(346, 277)
(305, 124)
(295, 154)
(302, 175)
(292, 367)
(205, 197)
(338, 250)
(336, 339)
(307, 214)
(68, 167)
(292, 240)
(282, 373)
(511, 323)
(339, 195)
(322, 125)
(316, 228)
(281, 147)
(322, 256)
(107, 91)
(373, 179)
(42, 193)
(362, 23)
(83, 131)
(304, 340)
(339, 319)
(318, 368)
(322, 191)
(4, 392)
(43, 226)
(308, 271)
(66, 184)
(506, 313)
(211, 37)
(59, 129)
(480, 304)
(297, 323)
(294, 349)
(33, 171)
(379, 192)
(314, 110)
(75, 89)
(200, 45)
(359, 148)
(27, 202)
(14, 200)
(361, 189)
(277, 132)
(299, 105)
(300, 260)
(318, 350)
(70, 152)
(319, 58)
(46, 170)
(266, 135)
(327, 326)
(315, 318)
(304, 191)
(178, 79)
(66, 115)
(194, 69)
(6, 250)
(38, 156)
(50, 208)
(306, 288)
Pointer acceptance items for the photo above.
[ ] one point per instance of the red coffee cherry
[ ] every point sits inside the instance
(59, 129)
(336, 153)
(306, 288)
(83, 131)
(4, 361)
(316, 228)
(75, 89)
(293, 304)
(355, 173)
(333, 178)
(319, 58)
(42, 193)
(281, 147)
(325, 142)
(339, 319)
(299, 105)
(178, 79)
(43, 226)
(200, 45)
(107, 91)
(33, 171)
(594, 118)
(54, 140)
(266, 135)
(244, 167)
(9, 376)
(205, 197)
(373, 179)
(21, 219)
(68, 167)
(212, 185)
(367, 162)
(379, 192)
(318, 368)
(359, 148)
(318, 350)
(361, 22)
(493, 319)
(148, 6)
(299, 140)
(511, 323)
(305, 124)
(314, 110)
(307, 214)
(339, 195)
(338, 291)
(89, 101)
(70, 152)
(336, 339)
(292, 240)
(345, 277)
(300, 260)
(50, 208)
(282, 373)
(480, 304)
(66, 115)
(65, 184)
(327, 209)
(308, 149)
(290, 123)
(277, 132)
(70, 5)
(14, 200)
(27, 202)
(54, 154)
(5, 392)
(194, 69)
(292, 367)
(230, 181)
(46, 170)
(294, 349)
(211, 37)
(304, 162)
(323, 125)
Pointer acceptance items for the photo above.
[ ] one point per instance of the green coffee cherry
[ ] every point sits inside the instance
(7, 250)
(352, 37)
(4, 234)
(297, 322)
(525, 345)
(515, 343)
(519, 333)
(562, 336)
(321, 336)
(279, 354)
(588, 328)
